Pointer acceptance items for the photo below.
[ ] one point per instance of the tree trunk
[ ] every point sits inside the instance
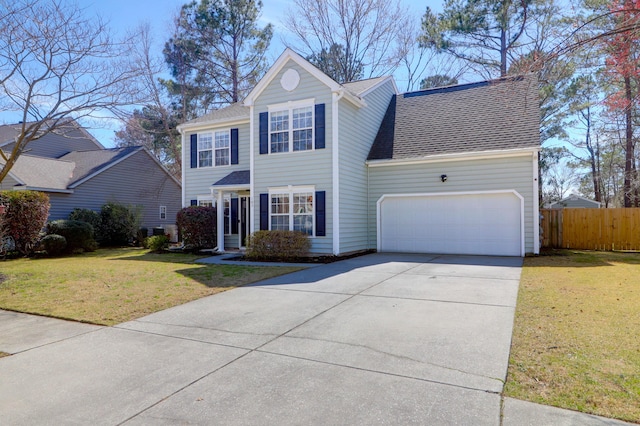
(629, 198)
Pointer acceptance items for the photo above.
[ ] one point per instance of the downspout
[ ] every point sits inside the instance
(335, 160)
(184, 167)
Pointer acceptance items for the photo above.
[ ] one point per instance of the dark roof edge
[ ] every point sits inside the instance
(459, 87)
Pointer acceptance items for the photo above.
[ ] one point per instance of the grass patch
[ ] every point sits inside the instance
(576, 338)
(111, 286)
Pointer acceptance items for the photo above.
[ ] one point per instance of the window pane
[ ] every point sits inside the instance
(222, 157)
(204, 159)
(204, 141)
(279, 121)
(302, 140)
(303, 203)
(302, 118)
(279, 142)
(205, 203)
(303, 223)
(280, 204)
(222, 140)
(280, 223)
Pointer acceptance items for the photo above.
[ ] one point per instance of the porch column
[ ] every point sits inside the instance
(220, 219)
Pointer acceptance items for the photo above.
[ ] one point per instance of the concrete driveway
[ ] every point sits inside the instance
(378, 339)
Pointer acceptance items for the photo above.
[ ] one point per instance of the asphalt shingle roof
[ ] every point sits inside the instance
(41, 172)
(240, 177)
(492, 115)
(235, 111)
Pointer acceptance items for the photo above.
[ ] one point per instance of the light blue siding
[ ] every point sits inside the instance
(357, 130)
(303, 168)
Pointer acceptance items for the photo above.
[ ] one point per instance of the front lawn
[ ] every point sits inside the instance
(576, 340)
(111, 286)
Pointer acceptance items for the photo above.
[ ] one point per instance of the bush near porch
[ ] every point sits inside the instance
(279, 245)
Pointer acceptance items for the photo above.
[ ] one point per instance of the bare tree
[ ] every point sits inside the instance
(367, 33)
(57, 64)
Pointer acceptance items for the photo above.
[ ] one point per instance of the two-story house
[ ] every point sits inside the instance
(359, 166)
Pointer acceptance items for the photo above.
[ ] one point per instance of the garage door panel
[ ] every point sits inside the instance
(452, 224)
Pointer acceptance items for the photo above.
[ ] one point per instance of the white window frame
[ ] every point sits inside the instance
(290, 192)
(206, 201)
(201, 137)
(163, 212)
(216, 149)
(289, 108)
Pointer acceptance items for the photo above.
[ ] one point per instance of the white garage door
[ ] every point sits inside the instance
(482, 223)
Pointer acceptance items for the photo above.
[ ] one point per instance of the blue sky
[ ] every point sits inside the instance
(126, 14)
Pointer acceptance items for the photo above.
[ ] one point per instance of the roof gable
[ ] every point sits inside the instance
(494, 115)
(42, 173)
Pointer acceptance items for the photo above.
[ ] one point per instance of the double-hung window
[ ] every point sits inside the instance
(292, 210)
(214, 149)
(205, 152)
(291, 129)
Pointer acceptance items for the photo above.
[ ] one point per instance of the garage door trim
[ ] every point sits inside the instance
(444, 194)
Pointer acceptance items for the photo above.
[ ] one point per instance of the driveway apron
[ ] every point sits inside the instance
(377, 339)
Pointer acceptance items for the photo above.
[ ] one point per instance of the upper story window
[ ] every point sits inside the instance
(291, 127)
(214, 149)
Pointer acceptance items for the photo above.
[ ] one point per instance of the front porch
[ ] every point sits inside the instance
(233, 198)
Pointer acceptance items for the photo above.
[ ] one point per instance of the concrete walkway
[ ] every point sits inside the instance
(378, 339)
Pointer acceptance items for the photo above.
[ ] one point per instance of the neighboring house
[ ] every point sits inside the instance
(574, 201)
(359, 166)
(76, 171)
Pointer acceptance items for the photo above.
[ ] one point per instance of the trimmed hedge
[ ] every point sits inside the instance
(79, 234)
(86, 215)
(54, 244)
(157, 243)
(197, 225)
(25, 216)
(277, 245)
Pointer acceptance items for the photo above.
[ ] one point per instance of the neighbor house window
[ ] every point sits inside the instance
(205, 150)
(291, 129)
(292, 210)
(163, 212)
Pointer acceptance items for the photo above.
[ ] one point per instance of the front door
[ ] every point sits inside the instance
(244, 220)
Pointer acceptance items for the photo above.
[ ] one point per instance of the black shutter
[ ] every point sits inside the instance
(234, 146)
(194, 202)
(234, 215)
(194, 151)
(264, 212)
(320, 127)
(321, 216)
(264, 133)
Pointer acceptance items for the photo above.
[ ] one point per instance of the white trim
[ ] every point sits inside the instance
(380, 84)
(251, 170)
(36, 188)
(209, 125)
(163, 209)
(183, 186)
(536, 207)
(477, 155)
(292, 104)
(335, 166)
(290, 191)
(444, 194)
(220, 220)
(279, 64)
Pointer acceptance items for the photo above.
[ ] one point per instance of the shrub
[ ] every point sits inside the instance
(277, 245)
(54, 244)
(88, 216)
(118, 224)
(157, 243)
(78, 234)
(197, 225)
(25, 215)
(141, 237)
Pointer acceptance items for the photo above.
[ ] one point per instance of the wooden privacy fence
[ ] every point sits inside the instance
(591, 229)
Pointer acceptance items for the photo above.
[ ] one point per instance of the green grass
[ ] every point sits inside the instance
(111, 286)
(576, 340)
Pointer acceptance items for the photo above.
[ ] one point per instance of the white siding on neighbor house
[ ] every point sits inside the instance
(137, 181)
(198, 181)
(303, 168)
(357, 130)
(512, 173)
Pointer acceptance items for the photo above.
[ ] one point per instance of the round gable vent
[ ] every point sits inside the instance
(290, 80)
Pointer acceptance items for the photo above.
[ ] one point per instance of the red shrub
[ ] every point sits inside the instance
(197, 226)
(25, 216)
